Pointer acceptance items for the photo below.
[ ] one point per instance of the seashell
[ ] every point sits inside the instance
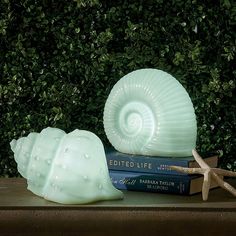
(65, 168)
(148, 112)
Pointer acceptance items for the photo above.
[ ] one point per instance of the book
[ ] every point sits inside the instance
(149, 164)
(161, 183)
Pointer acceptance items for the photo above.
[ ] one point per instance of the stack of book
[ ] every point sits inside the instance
(152, 174)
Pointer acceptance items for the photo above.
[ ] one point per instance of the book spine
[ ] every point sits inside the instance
(151, 183)
(125, 162)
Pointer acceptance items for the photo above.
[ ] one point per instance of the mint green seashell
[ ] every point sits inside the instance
(65, 168)
(148, 112)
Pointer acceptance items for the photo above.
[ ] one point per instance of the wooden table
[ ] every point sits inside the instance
(23, 213)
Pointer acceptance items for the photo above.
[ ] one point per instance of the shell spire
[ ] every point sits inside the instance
(148, 112)
(13, 144)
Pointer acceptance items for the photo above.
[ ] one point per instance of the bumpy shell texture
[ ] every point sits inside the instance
(65, 168)
(148, 112)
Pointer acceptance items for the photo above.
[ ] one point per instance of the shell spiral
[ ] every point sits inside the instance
(148, 112)
(65, 168)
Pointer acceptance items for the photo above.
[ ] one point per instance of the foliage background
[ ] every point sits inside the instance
(60, 59)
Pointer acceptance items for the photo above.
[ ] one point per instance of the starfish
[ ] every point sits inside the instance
(209, 173)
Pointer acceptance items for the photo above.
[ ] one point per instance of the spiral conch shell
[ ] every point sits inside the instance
(65, 168)
(148, 112)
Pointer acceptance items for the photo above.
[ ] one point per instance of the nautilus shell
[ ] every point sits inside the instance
(148, 112)
(65, 168)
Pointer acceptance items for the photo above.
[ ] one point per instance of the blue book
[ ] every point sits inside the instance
(171, 184)
(148, 164)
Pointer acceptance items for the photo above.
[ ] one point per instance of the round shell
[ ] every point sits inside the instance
(148, 112)
(65, 168)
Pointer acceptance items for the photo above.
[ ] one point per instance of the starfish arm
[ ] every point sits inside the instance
(224, 172)
(187, 170)
(199, 159)
(208, 173)
(206, 185)
(224, 184)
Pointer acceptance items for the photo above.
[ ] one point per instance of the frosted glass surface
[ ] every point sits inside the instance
(148, 112)
(65, 168)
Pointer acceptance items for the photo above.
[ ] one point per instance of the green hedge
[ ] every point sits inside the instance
(60, 59)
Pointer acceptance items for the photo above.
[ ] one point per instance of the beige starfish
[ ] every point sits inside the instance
(208, 173)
